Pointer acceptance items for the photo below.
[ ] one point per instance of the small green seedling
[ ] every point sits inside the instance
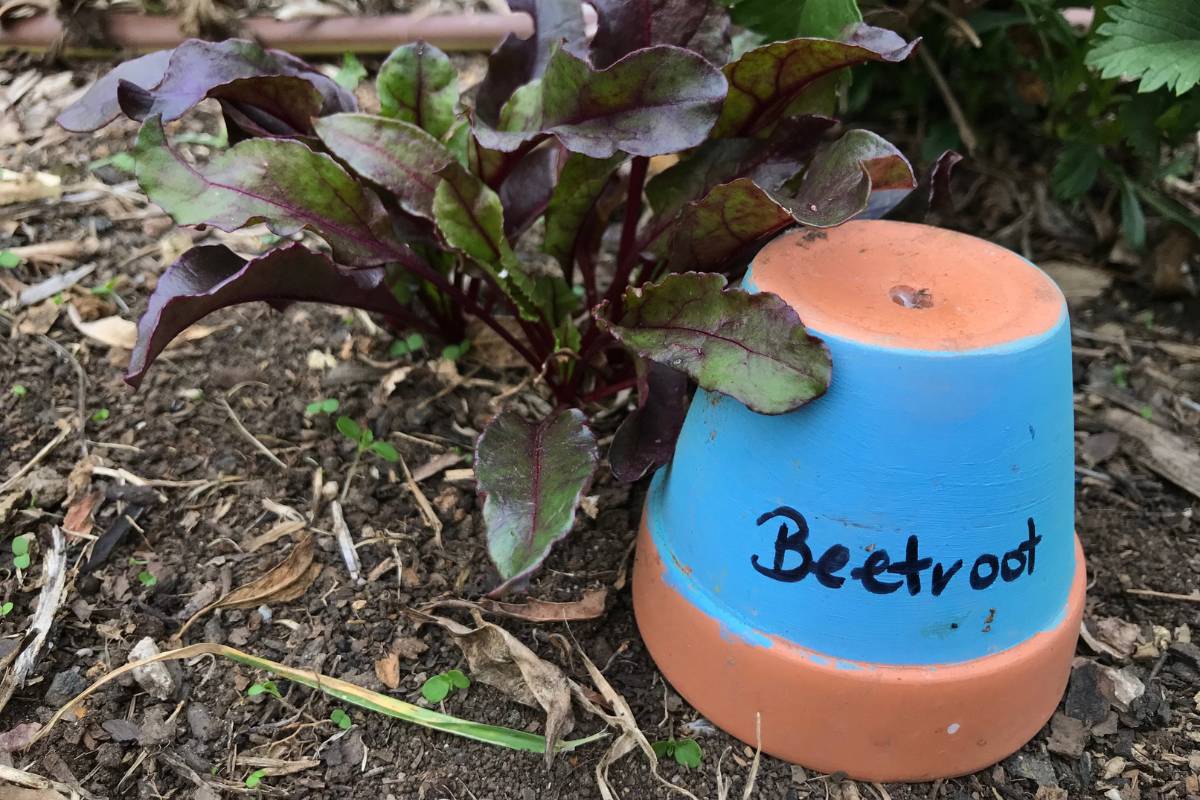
(409, 344)
(264, 687)
(121, 161)
(100, 415)
(9, 259)
(58, 299)
(438, 688)
(453, 352)
(686, 752)
(6, 609)
(326, 406)
(105, 289)
(147, 579)
(341, 719)
(1147, 413)
(255, 778)
(365, 440)
(1120, 376)
(20, 549)
(351, 73)
(19, 390)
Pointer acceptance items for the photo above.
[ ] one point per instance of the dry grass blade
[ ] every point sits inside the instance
(427, 512)
(286, 581)
(54, 580)
(39, 788)
(590, 606)
(341, 690)
(631, 735)
(499, 659)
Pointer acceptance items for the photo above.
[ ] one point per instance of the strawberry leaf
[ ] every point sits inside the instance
(212, 277)
(418, 84)
(653, 101)
(279, 181)
(532, 476)
(1155, 41)
(751, 347)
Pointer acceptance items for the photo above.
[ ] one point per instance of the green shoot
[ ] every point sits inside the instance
(326, 406)
(100, 415)
(341, 719)
(686, 752)
(351, 73)
(438, 688)
(409, 344)
(1120, 376)
(121, 161)
(365, 441)
(255, 778)
(20, 549)
(264, 687)
(147, 579)
(19, 390)
(453, 352)
(1147, 413)
(9, 259)
(6, 609)
(105, 289)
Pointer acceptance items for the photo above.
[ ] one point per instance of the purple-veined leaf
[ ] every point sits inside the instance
(771, 82)
(751, 347)
(838, 184)
(518, 61)
(279, 181)
(580, 184)
(418, 84)
(531, 476)
(212, 277)
(770, 163)
(271, 105)
(527, 189)
(627, 25)
(395, 154)
(654, 101)
(932, 192)
(194, 69)
(98, 106)
(646, 438)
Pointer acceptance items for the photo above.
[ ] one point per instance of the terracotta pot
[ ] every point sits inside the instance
(887, 578)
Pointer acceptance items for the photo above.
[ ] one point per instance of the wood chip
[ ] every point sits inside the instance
(1169, 454)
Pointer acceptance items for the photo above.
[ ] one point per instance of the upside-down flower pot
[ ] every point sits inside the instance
(885, 582)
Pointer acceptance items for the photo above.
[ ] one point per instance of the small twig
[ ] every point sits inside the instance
(956, 113)
(1186, 598)
(358, 451)
(427, 513)
(262, 448)
(345, 542)
(54, 578)
(27, 780)
(33, 462)
(80, 388)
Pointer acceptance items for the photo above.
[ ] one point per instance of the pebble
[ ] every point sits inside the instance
(155, 679)
(65, 686)
(201, 722)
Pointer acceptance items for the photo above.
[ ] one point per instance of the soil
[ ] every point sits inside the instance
(1139, 531)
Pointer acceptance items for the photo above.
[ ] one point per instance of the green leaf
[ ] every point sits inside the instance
(255, 778)
(398, 156)
(579, 186)
(349, 428)
(664, 748)
(100, 415)
(9, 259)
(415, 341)
(782, 79)
(1156, 42)
(1133, 219)
(351, 73)
(385, 451)
(21, 561)
(687, 751)
(6, 609)
(20, 545)
(418, 84)
(654, 101)
(19, 390)
(147, 579)
(436, 689)
(327, 406)
(457, 679)
(341, 719)
(453, 352)
(828, 18)
(532, 476)
(1076, 169)
(263, 687)
(752, 347)
(282, 182)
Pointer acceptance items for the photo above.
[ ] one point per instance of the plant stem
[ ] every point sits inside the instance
(627, 254)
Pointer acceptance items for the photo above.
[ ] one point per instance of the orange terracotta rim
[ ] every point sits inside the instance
(902, 285)
(872, 722)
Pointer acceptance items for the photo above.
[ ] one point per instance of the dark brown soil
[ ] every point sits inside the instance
(1138, 530)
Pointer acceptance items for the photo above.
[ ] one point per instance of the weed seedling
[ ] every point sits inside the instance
(365, 440)
(105, 289)
(264, 687)
(9, 259)
(100, 415)
(453, 352)
(686, 752)
(147, 579)
(121, 161)
(409, 344)
(6, 609)
(341, 719)
(20, 549)
(255, 778)
(19, 390)
(351, 73)
(326, 406)
(438, 688)
(1120, 376)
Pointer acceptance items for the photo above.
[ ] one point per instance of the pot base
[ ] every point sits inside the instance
(874, 722)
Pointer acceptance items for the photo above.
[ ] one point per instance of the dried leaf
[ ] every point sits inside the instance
(590, 606)
(1170, 455)
(387, 669)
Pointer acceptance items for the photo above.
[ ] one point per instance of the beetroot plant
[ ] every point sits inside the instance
(534, 207)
